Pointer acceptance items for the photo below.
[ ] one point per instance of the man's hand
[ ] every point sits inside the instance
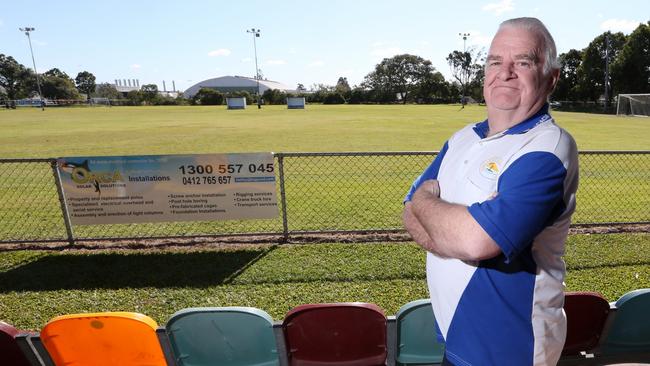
(428, 189)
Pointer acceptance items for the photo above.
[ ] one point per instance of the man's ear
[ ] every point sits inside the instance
(553, 79)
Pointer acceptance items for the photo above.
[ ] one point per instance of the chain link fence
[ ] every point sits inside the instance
(317, 193)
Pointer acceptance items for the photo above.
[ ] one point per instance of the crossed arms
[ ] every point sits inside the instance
(445, 229)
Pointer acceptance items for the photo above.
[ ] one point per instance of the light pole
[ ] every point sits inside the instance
(256, 33)
(606, 72)
(465, 72)
(38, 83)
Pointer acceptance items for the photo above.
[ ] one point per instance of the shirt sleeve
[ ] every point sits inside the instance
(530, 197)
(431, 172)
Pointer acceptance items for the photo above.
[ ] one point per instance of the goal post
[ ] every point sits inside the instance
(633, 105)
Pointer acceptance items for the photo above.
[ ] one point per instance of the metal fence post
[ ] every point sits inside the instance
(64, 208)
(283, 199)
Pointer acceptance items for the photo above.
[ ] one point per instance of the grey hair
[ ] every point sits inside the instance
(535, 26)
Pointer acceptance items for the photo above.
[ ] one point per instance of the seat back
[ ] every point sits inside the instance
(111, 338)
(227, 336)
(417, 342)
(10, 352)
(630, 329)
(343, 334)
(586, 313)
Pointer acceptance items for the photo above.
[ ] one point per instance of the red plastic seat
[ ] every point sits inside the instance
(10, 353)
(342, 334)
(586, 313)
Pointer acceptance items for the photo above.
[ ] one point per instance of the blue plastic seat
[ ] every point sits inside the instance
(417, 343)
(225, 336)
(629, 332)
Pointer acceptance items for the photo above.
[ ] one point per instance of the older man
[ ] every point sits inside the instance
(493, 211)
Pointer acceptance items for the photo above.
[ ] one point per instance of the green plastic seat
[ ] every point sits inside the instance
(417, 343)
(630, 330)
(225, 336)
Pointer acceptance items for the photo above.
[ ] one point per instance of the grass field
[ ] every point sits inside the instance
(31, 133)
(37, 285)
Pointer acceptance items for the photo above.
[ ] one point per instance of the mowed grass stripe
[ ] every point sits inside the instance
(29, 133)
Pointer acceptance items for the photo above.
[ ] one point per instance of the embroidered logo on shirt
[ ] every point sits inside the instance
(490, 168)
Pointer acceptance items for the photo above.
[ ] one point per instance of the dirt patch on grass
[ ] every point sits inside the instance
(265, 241)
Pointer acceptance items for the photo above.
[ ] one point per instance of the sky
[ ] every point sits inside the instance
(307, 42)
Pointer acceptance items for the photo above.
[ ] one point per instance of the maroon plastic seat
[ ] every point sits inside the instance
(10, 353)
(586, 313)
(342, 334)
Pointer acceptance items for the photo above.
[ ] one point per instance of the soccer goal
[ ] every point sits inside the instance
(633, 105)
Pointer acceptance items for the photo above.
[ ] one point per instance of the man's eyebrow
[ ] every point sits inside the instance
(494, 57)
(526, 56)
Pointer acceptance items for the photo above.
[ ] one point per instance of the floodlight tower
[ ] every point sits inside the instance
(38, 83)
(256, 33)
(462, 97)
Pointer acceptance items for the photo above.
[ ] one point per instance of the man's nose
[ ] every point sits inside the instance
(506, 71)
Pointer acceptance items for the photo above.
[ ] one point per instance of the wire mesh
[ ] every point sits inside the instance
(323, 192)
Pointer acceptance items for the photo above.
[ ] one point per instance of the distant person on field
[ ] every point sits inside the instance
(493, 211)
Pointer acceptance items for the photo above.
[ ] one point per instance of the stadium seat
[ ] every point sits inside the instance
(103, 339)
(342, 334)
(10, 352)
(417, 343)
(629, 332)
(227, 336)
(586, 314)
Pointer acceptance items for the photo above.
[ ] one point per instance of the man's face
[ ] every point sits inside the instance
(514, 78)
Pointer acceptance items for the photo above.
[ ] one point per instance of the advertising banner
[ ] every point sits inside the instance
(168, 188)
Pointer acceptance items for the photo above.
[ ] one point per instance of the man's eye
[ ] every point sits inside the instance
(524, 64)
(494, 63)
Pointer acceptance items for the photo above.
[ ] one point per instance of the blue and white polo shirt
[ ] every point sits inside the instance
(506, 310)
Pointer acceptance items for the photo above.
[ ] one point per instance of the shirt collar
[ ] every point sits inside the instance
(482, 128)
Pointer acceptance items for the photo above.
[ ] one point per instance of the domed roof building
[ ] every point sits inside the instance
(229, 84)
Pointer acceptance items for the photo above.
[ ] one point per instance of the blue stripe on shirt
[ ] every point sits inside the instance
(530, 197)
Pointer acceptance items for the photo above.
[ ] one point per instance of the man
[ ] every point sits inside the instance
(493, 211)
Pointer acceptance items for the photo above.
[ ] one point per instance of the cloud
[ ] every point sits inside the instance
(246, 59)
(276, 62)
(619, 25)
(500, 7)
(135, 66)
(219, 52)
(386, 52)
(316, 63)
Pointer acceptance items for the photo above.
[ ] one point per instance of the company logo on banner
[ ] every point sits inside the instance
(159, 188)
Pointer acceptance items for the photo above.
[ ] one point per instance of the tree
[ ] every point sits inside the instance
(398, 75)
(433, 88)
(301, 88)
(343, 87)
(467, 70)
(591, 73)
(207, 96)
(106, 90)
(57, 73)
(85, 82)
(58, 87)
(567, 84)
(149, 93)
(631, 69)
(274, 96)
(14, 77)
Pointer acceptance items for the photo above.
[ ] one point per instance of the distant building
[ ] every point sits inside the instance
(229, 84)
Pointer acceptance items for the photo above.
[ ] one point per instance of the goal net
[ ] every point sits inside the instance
(633, 105)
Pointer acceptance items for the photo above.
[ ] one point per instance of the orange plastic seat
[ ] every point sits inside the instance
(111, 338)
